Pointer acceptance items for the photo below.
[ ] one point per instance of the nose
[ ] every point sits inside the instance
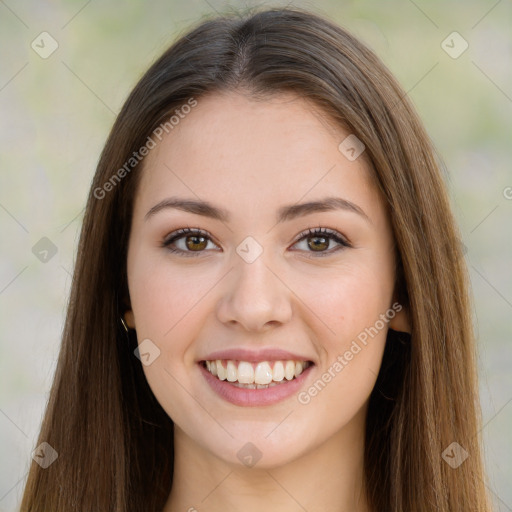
(255, 297)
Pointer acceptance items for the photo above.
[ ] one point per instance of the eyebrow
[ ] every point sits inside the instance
(285, 213)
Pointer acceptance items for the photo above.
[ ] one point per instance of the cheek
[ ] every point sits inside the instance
(167, 306)
(352, 355)
(351, 334)
(164, 298)
(347, 302)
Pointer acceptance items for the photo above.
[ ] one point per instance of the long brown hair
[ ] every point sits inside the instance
(114, 441)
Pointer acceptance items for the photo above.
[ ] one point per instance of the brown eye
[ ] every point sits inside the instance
(196, 243)
(319, 243)
(189, 242)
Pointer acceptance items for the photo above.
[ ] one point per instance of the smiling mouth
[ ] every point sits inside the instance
(261, 375)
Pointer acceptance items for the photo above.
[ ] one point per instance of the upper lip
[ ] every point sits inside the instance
(255, 356)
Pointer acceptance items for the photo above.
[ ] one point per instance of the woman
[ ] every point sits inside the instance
(269, 308)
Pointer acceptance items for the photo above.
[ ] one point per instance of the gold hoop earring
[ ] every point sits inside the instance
(124, 325)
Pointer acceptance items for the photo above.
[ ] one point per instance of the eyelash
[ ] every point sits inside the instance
(327, 233)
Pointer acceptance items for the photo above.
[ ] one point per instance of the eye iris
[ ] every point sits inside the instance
(322, 245)
(196, 237)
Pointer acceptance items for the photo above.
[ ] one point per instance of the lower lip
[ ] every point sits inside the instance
(255, 397)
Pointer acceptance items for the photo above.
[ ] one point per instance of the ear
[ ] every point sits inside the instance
(129, 318)
(401, 322)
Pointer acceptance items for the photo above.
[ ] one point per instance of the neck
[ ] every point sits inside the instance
(330, 477)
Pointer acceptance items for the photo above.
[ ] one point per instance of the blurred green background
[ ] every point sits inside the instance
(56, 113)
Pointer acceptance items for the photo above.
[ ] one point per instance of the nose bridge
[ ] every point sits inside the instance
(255, 295)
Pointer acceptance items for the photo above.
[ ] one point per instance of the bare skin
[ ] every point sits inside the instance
(251, 158)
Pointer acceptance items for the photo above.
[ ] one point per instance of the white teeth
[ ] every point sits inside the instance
(231, 372)
(259, 376)
(289, 370)
(278, 371)
(263, 373)
(255, 386)
(245, 373)
(221, 372)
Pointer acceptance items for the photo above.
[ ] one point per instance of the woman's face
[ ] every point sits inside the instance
(253, 291)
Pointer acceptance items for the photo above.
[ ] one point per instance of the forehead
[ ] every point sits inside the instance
(253, 153)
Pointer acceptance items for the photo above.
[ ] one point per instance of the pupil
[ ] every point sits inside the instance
(195, 242)
(315, 244)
